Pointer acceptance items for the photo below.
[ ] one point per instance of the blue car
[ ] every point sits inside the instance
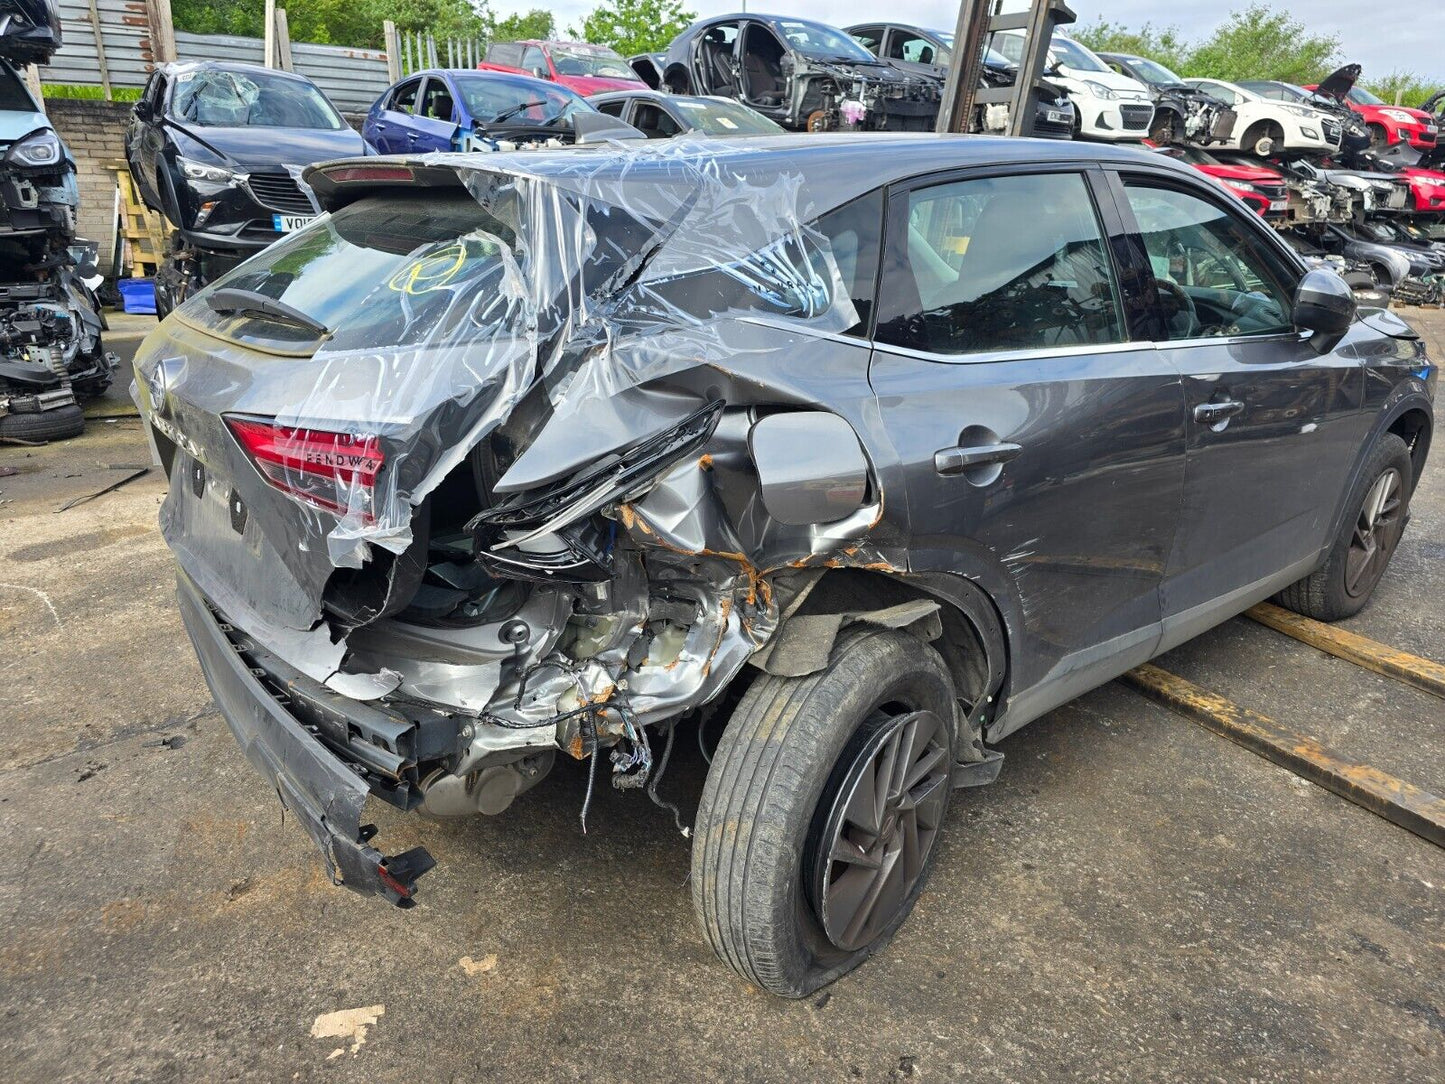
(453, 110)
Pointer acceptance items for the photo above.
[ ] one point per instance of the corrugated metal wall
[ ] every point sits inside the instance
(351, 78)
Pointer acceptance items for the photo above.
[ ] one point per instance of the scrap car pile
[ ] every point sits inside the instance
(50, 322)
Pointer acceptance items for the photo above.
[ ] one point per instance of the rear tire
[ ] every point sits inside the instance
(771, 809)
(1378, 511)
(62, 423)
(1263, 139)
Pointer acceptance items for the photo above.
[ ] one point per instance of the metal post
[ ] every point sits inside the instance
(955, 112)
(393, 50)
(1044, 16)
(269, 51)
(283, 41)
(100, 50)
(162, 31)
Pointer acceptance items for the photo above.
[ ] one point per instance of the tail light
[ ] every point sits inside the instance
(334, 471)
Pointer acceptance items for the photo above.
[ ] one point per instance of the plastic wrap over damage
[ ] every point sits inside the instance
(512, 446)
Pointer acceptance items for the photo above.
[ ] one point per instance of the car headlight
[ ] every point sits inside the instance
(1241, 186)
(1399, 116)
(37, 149)
(1298, 111)
(1099, 90)
(199, 171)
(1430, 182)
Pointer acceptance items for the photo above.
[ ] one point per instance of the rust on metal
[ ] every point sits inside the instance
(1423, 674)
(1395, 800)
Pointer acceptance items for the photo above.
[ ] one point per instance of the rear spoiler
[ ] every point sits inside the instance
(348, 179)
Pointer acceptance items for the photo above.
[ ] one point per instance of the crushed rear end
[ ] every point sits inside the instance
(541, 485)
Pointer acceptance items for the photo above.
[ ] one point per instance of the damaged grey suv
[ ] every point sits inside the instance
(875, 448)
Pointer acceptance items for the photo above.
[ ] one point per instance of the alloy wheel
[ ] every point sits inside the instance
(1377, 531)
(885, 817)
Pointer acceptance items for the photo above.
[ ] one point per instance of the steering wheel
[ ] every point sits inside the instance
(1190, 326)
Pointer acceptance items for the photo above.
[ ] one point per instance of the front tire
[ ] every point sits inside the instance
(1379, 507)
(778, 828)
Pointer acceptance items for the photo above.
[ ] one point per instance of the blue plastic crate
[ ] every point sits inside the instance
(137, 295)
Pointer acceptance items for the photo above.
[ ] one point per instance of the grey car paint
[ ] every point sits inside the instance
(1064, 513)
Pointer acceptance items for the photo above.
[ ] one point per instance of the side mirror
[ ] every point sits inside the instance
(1324, 304)
(143, 110)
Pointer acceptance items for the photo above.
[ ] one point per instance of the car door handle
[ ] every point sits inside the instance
(1214, 413)
(958, 460)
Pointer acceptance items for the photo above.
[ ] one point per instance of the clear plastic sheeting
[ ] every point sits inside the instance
(478, 439)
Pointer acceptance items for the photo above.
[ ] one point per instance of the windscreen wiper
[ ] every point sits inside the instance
(235, 300)
(510, 113)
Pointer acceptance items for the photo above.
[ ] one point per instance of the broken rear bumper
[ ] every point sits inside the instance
(322, 790)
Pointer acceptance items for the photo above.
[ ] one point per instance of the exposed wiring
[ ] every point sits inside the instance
(657, 779)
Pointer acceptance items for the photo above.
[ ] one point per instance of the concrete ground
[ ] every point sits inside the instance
(1134, 899)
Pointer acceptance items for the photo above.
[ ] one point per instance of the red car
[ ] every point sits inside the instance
(1427, 188)
(577, 65)
(1263, 189)
(1389, 124)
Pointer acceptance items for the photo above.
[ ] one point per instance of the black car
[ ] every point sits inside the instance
(866, 450)
(658, 115)
(218, 148)
(920, 51)
(802, 74)
(1182, 114)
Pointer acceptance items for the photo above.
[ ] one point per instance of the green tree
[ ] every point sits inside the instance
(1411, 88)
(355, 23)
(536, 24)
(1262, 43)
(635, 26)
(1162, 44)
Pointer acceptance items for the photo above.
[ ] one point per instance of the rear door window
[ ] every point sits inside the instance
(404, 99)
(999, 264)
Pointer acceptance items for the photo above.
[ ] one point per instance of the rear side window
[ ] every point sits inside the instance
(612, 109)
(999, 264)
(508, 54)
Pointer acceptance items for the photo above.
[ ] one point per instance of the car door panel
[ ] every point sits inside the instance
(1068, 518)
(1273, 423)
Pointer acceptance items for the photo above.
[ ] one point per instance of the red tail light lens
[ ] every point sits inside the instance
(334, 471)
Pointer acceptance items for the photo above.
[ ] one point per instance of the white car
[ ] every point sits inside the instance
(1107, 105)
(1266, 127)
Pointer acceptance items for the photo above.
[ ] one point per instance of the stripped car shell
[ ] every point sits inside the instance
(604, 480)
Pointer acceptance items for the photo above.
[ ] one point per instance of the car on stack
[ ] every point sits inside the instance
(1108, 106)
(1264, 126)
(658, 115)
(920, 51)
(217, 148)
(576, 65)
(802, 74)
(51, 353)
(1182, 114)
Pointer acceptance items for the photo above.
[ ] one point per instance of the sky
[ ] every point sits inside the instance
(1383, 35)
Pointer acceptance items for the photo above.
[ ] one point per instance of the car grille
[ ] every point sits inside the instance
(1333, 131)
(1136, 117)
(1273, 192)
(280, 192)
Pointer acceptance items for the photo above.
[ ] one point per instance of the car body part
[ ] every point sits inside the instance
(579, 66)
(1182, 113)
(217, 148)
(802, 74)
(462, 110)
(659, 115)
(537, 452)
(1110, 107)
(919, 51)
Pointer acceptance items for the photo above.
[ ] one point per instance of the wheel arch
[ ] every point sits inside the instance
(1409, 415)
(974, 643)
(1414, 426)
(677, 79)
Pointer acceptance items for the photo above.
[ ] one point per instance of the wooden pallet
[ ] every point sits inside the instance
(142, 231)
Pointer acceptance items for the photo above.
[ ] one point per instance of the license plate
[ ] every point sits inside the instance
(291, 223)
(1279, 205)
(1055, 117)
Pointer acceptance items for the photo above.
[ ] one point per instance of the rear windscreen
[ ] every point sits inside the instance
(379, 272)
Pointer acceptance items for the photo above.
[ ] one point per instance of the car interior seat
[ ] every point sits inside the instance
(762, 61)
(717, 55)
(440, 107)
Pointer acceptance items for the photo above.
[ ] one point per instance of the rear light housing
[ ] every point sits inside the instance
(332, 471)
(367, 173)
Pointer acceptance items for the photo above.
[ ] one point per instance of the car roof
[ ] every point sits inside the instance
(516, 78)
(834, 167)
(182, 67)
